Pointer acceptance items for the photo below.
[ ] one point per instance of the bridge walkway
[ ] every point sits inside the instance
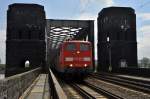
(39, 89)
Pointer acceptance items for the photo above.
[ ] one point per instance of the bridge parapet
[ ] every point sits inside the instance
(12, 87)
(56, 90)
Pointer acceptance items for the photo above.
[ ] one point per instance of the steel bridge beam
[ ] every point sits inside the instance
(68, 23)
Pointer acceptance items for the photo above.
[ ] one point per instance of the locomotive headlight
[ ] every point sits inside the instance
(85, 65)
(78, 52)
(70, 65)
(69, 59)
(86, 59)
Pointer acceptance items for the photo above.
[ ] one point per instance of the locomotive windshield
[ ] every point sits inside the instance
(70, 47)
(84, 47)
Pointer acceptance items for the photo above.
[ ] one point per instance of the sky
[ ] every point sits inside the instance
(85, 10)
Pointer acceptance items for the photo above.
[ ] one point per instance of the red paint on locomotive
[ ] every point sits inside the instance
(75, 57)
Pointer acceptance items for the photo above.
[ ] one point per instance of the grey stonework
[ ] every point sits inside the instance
(13, 87)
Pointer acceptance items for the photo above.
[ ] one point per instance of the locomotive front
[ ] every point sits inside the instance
(76, 57)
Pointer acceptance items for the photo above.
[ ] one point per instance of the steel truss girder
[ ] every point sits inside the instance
(61, 30)
(68, 23)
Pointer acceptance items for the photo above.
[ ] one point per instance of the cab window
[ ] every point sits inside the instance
(84, 47)
(70, 47)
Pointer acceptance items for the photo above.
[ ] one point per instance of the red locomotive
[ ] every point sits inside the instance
(74, 58)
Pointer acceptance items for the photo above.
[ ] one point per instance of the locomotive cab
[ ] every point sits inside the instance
(76, 57)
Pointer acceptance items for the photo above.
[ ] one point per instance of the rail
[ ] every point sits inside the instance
(102, 91)
(56, 91)
(82, 92)
(139, 86)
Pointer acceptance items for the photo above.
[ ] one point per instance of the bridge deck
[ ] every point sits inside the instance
(39, 89)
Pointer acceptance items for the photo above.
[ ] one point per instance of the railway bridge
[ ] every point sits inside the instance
(33, 39)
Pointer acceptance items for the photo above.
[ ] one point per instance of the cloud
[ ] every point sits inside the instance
(144, 16)
(144, 45)
(86, 16)
(144, 35)
(2, 45)
(84, 3)
(108, 2)
(3, 35)
(145, 30)
(105, 3)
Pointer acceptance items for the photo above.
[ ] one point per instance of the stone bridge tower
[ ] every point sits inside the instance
(25, 37)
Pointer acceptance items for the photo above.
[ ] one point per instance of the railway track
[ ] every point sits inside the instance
(70, 91)
(131, 83)
(102, 91)
(93, 88)
(139, 79)
(86, 92)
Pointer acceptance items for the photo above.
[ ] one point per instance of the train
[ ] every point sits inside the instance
(74, 58)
